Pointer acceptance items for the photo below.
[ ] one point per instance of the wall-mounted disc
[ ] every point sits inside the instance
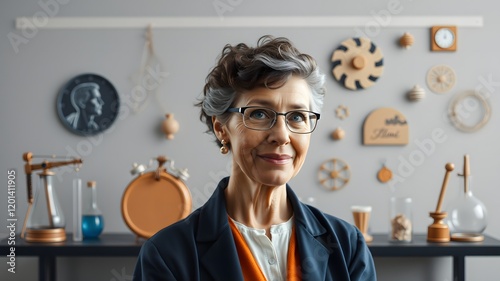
(357, 63)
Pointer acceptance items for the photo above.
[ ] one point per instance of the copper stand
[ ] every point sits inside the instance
(438, 231)
(47, 235)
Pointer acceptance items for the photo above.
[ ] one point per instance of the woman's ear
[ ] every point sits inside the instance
(219, 128)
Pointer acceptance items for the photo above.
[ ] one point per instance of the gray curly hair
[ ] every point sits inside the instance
(242, 68)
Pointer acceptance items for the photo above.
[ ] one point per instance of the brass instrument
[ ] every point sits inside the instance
(44, 221)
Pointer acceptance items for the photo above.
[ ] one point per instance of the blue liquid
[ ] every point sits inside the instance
(92, 226)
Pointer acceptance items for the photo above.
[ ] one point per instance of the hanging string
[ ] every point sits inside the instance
(149, 63)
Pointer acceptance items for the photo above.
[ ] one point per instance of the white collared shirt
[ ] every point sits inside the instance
(271, 254)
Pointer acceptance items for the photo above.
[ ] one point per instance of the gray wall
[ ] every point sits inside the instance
(31, 78)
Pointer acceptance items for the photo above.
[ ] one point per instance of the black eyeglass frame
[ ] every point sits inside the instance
(242, 111)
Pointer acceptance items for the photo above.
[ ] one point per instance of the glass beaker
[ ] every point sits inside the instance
(92, 220)
(467, 214)
(400, 215)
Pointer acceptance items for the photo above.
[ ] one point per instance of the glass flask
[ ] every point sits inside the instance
(92, 220)
(47, 212)
(466, 214)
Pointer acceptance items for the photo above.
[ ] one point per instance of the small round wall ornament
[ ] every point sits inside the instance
(441, 79)
(357, 63)
(334, 174)
(342, 112)
(170, 126)
(407, 40)
(338, 134)
(384, 174)
(417, 93)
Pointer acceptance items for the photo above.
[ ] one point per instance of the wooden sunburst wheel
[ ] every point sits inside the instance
(441, 79)
(357, 63)
(334, 174)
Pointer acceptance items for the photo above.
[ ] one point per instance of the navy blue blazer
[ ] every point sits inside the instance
(201, 246)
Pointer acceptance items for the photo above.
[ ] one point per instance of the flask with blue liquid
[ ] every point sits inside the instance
(92, 220)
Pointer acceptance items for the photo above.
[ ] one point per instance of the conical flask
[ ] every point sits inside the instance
(92, 220)
(467, 215)
(46, 221)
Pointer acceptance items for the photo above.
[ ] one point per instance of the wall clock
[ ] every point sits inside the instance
(441, 79)
(156, 199)
(444, 38)
(357, 63)
(88, 104)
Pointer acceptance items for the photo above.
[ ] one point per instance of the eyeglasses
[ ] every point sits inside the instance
(262, 119)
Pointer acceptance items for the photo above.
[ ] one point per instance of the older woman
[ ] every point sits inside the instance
(262, 104)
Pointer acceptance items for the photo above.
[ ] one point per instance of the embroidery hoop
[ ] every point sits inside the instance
(455, 116)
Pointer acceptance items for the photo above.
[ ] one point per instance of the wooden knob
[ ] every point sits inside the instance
(441, 79)
(450, 167)
(358, 62)
(27, 156)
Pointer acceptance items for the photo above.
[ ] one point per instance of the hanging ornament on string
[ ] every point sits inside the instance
(147, 82)
(384, 174)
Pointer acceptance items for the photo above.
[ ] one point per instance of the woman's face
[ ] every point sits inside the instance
(274, 156)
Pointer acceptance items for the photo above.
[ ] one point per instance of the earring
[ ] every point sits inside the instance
(223, 148)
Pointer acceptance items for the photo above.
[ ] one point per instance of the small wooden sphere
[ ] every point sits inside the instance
(338, 134)
(406, 40)
(449, 167)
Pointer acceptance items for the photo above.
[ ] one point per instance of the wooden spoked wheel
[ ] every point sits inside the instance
(334, 174)
(441, 78)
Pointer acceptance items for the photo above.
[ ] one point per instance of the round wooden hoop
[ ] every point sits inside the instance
(455, 117)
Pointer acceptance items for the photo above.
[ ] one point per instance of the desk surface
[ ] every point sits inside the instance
(419, 247)
(124, 244)
(116, 244)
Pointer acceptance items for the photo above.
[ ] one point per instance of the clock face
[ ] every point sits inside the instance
(88, 104)
(444, 38)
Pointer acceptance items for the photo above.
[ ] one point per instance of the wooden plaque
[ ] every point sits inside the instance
(385, 126)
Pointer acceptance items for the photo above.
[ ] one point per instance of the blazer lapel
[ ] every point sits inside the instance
(221, 259)
(215, 241)
(314, 252)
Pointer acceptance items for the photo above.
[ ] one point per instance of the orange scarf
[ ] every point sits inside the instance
(250, 268)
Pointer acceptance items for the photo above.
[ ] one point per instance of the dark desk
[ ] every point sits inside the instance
(120, 245)
(108, 245)
(419, 247)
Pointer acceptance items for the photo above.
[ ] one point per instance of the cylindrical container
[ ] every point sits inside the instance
(361, 216)
(400, 214)
(77, 210)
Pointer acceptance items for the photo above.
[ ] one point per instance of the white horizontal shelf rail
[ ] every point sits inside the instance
(238, 22)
